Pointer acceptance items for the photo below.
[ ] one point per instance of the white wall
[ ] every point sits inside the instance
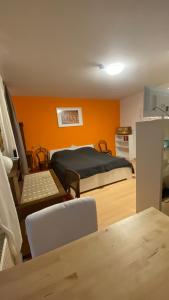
(131, 111)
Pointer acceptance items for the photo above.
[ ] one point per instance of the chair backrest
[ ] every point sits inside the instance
(60, 224)
(72, 182)
(102, 144)
(42, 156)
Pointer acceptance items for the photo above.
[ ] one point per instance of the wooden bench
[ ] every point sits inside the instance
(36, 191)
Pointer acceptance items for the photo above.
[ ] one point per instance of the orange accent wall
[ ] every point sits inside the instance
(100, 120)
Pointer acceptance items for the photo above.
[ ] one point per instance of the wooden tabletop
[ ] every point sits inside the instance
(129, 260)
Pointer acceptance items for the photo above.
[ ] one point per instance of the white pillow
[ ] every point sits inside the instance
(78, 147)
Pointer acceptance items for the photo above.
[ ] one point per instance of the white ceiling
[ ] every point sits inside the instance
(53, 47)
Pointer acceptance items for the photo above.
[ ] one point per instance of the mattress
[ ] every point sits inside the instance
(103, 179)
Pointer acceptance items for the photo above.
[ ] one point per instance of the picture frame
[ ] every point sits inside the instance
(69, 116)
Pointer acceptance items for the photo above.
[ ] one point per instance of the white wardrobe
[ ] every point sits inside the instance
(152, 152)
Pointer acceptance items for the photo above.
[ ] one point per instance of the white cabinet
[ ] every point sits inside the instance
(152, 152)
(124, 146)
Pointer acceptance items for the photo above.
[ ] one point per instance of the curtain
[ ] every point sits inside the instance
(5, 124)
(17, 132)
(9, 222)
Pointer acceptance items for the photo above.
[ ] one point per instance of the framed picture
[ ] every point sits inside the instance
(69, 116)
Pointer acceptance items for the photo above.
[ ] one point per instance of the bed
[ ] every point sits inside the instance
(95, 168)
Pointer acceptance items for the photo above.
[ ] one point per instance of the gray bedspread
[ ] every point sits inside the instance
(86, 161)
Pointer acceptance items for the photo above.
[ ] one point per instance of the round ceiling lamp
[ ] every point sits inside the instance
(113, 69)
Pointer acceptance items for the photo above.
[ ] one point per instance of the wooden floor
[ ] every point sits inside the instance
(114, 202)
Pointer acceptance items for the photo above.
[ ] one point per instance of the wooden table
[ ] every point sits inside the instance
(128, 260)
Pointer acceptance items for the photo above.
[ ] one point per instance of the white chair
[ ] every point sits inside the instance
(60, 224)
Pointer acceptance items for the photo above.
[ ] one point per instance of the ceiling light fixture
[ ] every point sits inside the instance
(113, 69)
